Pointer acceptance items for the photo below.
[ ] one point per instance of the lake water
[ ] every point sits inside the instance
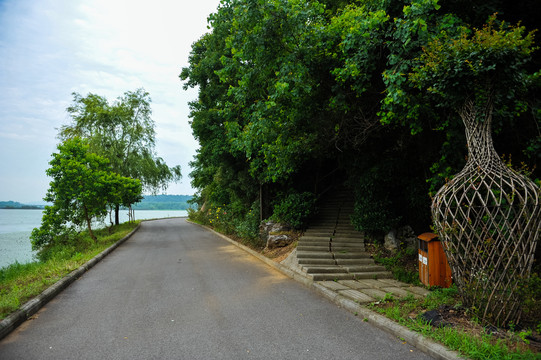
(17, 224)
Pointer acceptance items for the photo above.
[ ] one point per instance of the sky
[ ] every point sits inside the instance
(52, 48)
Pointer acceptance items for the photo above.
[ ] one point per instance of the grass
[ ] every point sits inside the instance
(21, 282)
(402, 263)
(462, 332)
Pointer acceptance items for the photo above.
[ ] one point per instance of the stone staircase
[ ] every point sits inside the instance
(331, 249)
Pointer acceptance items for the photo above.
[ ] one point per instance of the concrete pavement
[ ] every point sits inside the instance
(177, 291)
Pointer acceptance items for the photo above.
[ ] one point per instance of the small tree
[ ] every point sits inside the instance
(83, 186)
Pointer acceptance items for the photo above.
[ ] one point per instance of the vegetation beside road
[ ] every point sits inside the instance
(22, 282)
(458, 328)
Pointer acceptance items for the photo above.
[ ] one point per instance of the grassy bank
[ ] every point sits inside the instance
(441, 317)
(21, 282)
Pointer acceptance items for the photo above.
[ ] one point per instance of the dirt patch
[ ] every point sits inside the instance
(279, 254)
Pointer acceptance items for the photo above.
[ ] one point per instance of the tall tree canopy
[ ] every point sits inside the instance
(122, 132)
(293, 90)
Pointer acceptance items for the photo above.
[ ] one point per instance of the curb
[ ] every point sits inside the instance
(426, 345)
(31, 307)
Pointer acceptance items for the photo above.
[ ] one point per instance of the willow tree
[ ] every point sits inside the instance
(122, 132)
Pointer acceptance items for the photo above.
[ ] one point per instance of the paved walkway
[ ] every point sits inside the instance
(370, 290)
(361, 291)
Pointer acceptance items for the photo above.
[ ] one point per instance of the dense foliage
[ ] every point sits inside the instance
(296, 96)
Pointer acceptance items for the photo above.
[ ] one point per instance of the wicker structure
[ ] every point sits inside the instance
(488, 218)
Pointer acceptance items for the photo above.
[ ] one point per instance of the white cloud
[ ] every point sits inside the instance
(51, 48)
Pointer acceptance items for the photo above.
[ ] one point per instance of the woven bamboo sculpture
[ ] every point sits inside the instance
(488, 218)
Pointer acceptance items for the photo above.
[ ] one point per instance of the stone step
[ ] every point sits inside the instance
(349, 262)
(351, 255)
(347, 232)
(365, 268)
(348, 242)
(319, 231)
(314, 254)
(343, 245)
(347, 239)
(314, 243)
(327, 215)
(322, 269)
(321, 226)
(312, 248)
(323, 277)
(327, 235)
(346, 249)
(310, 261)
(328, 223)
(373, 275)
(346, 227)
(315, 238)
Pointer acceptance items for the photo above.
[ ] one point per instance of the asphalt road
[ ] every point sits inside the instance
(177, 291)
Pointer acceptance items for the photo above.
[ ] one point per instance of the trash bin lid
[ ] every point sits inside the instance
(428, 237)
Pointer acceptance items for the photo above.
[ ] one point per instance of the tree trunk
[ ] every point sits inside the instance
(88, 223)
(117, 211)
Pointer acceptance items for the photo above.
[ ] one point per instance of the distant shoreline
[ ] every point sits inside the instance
(149, 202)
(25, 207)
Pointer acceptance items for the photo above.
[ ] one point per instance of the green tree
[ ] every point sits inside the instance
(122, 132)
(480, 65)
(83, 186)
(291, 90)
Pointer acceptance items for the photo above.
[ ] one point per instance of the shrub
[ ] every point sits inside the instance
(375, 211)
(294, 209)
(247, 227)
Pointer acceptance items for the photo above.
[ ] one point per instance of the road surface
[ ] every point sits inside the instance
(177, 291)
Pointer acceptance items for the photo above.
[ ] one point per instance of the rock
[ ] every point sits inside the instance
(275, 234)
(402, 238)
(274, 241)
(407, 238)
(391, 241)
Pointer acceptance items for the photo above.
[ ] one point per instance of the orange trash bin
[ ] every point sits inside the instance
(434, 270)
